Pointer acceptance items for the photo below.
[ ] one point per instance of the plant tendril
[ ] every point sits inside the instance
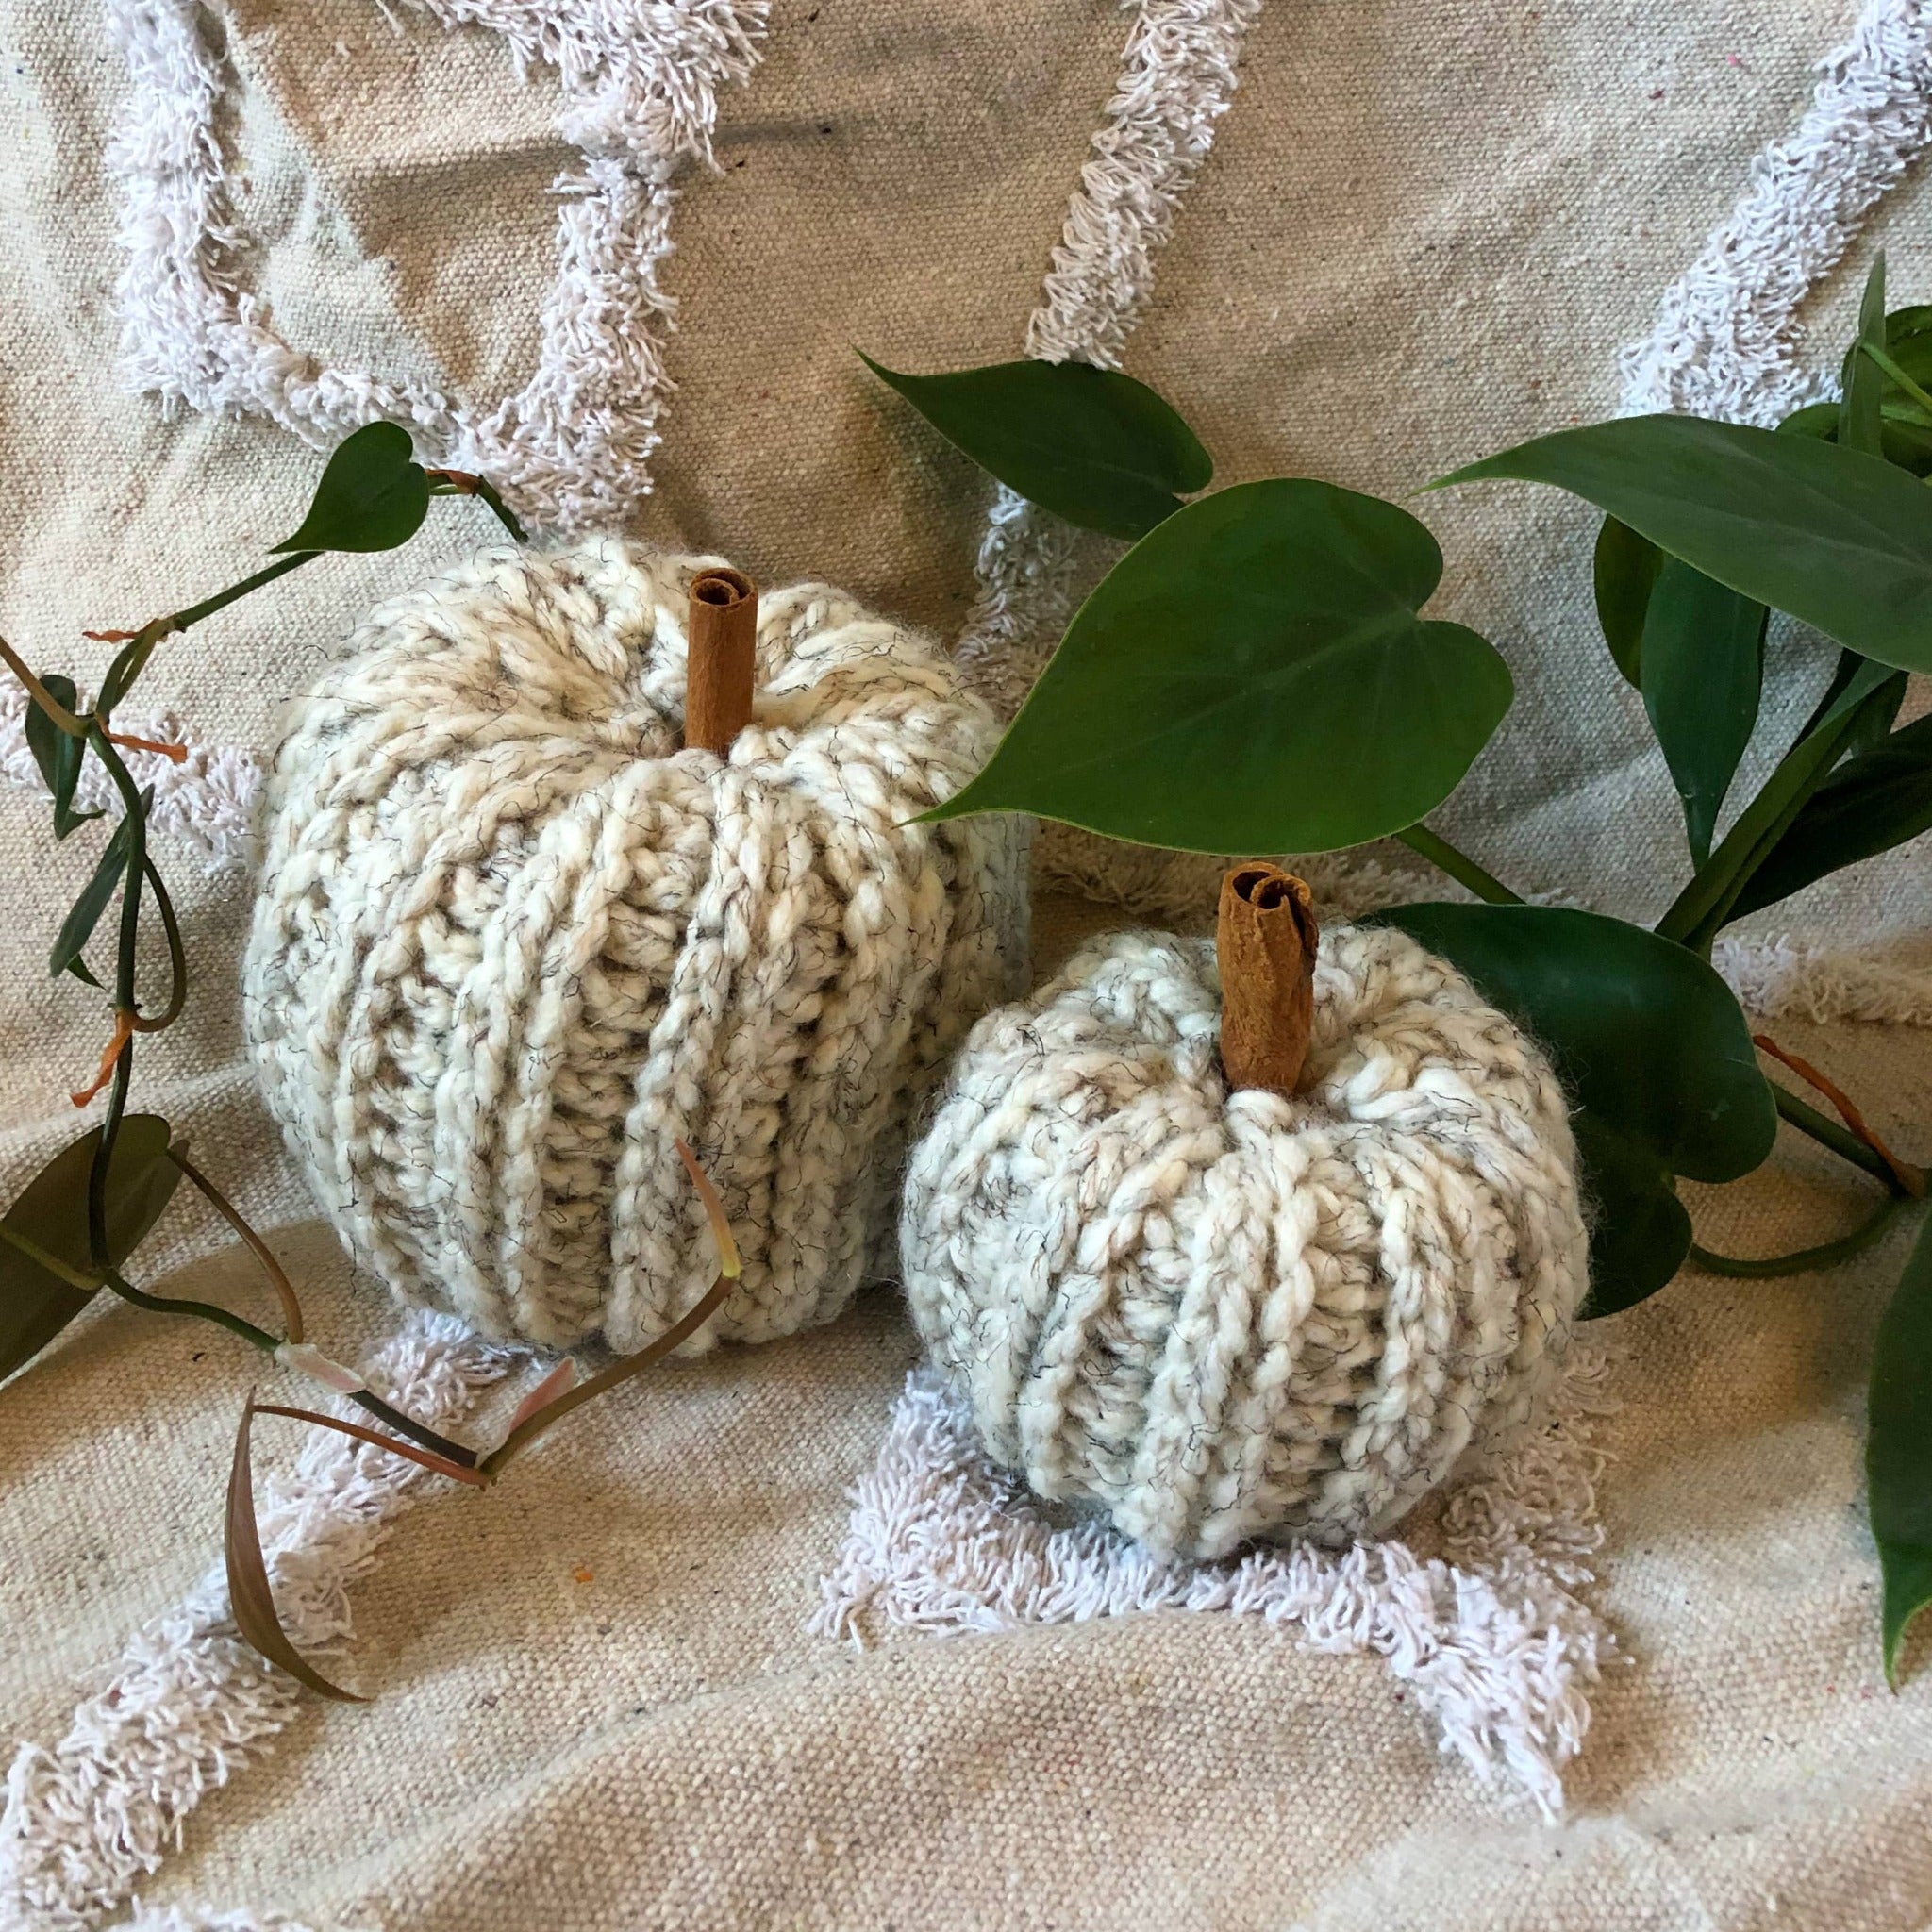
(1828, 1255)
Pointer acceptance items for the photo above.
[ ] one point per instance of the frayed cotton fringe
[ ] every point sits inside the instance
(199, 1918)
(1781, 977)
(572, 448)
(206, 803)
(190, 1704)
(1725, 343)
(1180, 70)
(1500, 1647)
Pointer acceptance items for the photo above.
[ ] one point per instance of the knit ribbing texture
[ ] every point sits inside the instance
(1219, 1316)
(512, 943)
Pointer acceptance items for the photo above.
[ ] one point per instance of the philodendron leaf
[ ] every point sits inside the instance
(1867, 807)
(1654, 1051)
(1639, 1230)
(51, 1213)
(85, 913)
(1707, 902)
(1625, 570)
(1840, 540)
(251, 1602)
(1898, 1450)
(1860, 421)
(373, 496)
(1090, 445)
(1254, 677)
(58, 753)
(1702, 675)
(1906, 428)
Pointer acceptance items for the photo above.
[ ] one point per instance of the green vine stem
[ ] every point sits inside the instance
(62, 717)
(365, 1399)
(178, 957)
(1838, 1139)
(1828, 1255)
(1897, 375)
(132, 660)
(368, 1400)
(126, 1007)
(180, 1304)
(236, 1324)
(1458, 865)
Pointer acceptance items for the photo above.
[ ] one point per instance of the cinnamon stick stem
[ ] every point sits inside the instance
(1266, 943)
(723, 633)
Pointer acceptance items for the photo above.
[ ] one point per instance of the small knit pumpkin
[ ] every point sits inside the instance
(512, 943)
(1217, 1314)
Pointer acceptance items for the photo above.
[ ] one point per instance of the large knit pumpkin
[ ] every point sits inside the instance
(1219, 1314)
(512, 943)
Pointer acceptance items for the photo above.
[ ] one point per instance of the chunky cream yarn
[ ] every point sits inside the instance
(512, 943)
(1224, 1315)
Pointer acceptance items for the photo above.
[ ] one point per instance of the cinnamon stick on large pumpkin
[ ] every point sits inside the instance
(722, 631)
(1266, 942)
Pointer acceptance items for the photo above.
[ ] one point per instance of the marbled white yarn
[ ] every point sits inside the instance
(511, 943)
(1217, 1315)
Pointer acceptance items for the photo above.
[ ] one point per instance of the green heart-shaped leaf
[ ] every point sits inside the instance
(373, 496)
(1867, 807)
(51, 1213)
(58, 753)
(1702, 673)
(1650, 1046)
(1089, 445)
(1639, 1231)
(1898, 1450)
(1254, 678)
(1840, 540)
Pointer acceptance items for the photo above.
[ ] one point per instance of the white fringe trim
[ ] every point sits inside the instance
(1727, 338)
(206, 803)
(572, 449)
(200, 1918)
(1498, 1645)
(189, 1703)
(1177, 74)
(1782, 978)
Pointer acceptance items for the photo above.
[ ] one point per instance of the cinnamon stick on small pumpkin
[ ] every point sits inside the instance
(1266, 940)
(722, 631)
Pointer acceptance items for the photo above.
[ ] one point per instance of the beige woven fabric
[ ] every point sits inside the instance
(1424, 231)
(598, 1705)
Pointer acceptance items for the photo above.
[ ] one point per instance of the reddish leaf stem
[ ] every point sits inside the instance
(123, 1032)
(1910, 1178)
(279, 1280)
(408, 1451)
(178, 753)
